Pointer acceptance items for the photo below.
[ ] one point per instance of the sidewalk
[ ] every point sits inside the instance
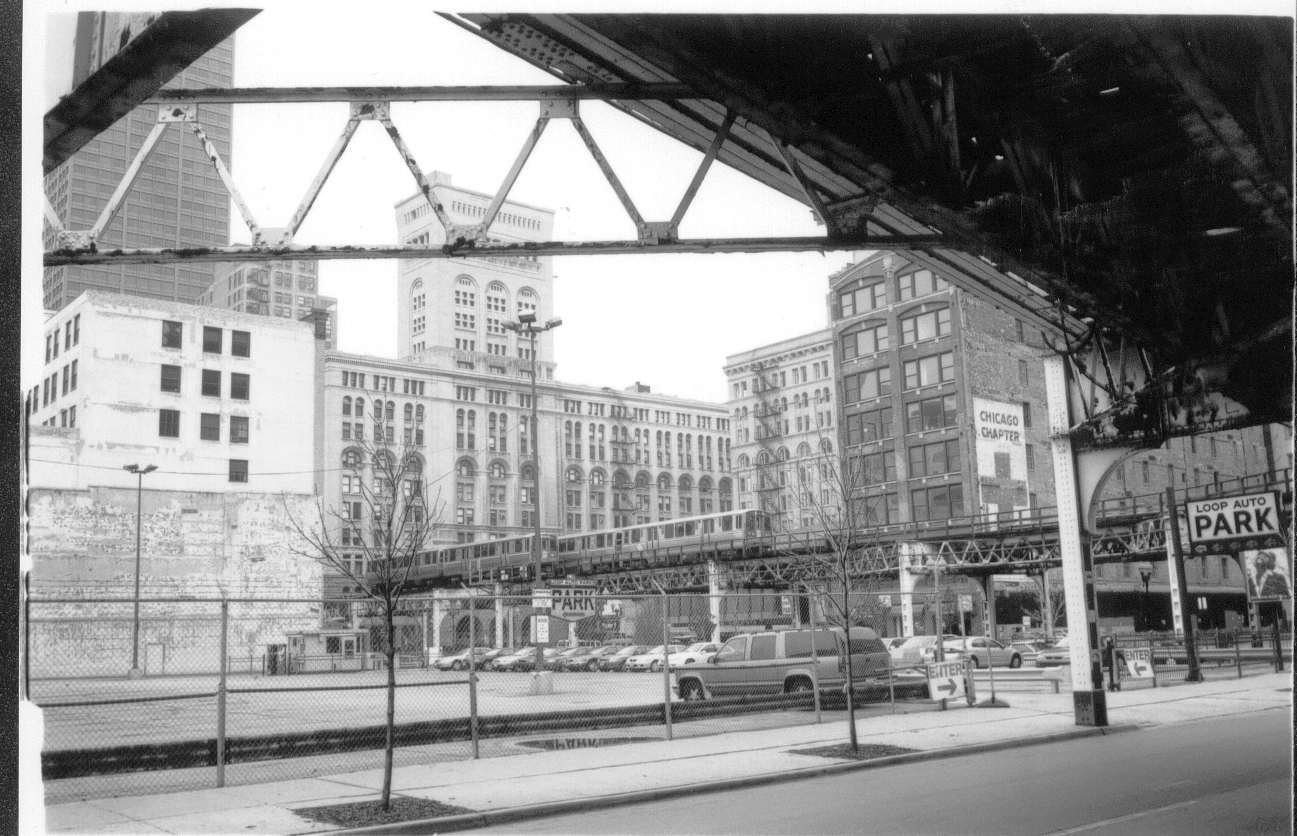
(521, 786)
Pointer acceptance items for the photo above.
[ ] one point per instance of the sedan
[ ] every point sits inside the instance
(591, 661)
(696, 653)
(1059, 653)
(565, 659)
(616, 661)
(460, 661)
(917, 651)
(522, 659)
(652, 660)
(984, 652)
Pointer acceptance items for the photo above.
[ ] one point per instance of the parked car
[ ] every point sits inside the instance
(489, 663)
(522, 659)
(651, 660)
(782, 662)
(562, 661)
(1028, 648)
(917, 651)
(616, 661)
(460, 661)
(693, 654)
(591, 660)
(984, 652)
(1059, 653)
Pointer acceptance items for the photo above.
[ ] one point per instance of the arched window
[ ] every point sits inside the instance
(642, 479)
(496, 470)
(418, 414)
(803, 450)
(763, 457)
(744, 461)
(351, 458)
(384, 461)
(346, 405)
(705, 485)
(391, 410)
(528, 300)
(465, 291)
(597, 477)
(497, 299)
(360, 407)
(826, 446)
(928, 323)
(781, 455)
(620, 479)
(664, 482)
(413, 463)
(465, 467)
(528, 472)
(574, 474)
(408, 413)
(685, 485)
(866, 338)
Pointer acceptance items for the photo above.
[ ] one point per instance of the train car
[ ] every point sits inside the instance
(723, 531)
(496, 559)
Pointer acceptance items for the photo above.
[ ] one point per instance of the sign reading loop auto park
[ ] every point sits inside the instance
(1249, 521)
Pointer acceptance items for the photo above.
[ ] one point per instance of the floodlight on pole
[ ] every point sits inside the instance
(135, 671)
(526, 325)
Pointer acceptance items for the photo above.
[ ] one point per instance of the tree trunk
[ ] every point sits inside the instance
(390, 652)
(851, 679)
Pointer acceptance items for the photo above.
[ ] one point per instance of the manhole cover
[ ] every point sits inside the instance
(554, 743)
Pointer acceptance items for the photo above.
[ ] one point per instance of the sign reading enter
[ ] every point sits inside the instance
(1230, 518)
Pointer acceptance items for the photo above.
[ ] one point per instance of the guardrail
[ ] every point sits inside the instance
(1046, 679)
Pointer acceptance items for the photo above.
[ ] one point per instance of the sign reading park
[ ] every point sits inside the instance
(1252, 519)
(573, 603)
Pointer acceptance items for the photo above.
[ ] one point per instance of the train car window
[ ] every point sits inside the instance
(727, 523)
(636, 535)
(709, 526)
(691, 528)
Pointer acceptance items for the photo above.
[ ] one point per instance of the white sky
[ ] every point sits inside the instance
(666, 320)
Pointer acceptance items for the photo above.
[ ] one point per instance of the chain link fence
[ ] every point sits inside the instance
(185, 693)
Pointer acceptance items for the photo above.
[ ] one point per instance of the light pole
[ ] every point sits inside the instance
(526, 325)
(139, 472)
(1145, 575)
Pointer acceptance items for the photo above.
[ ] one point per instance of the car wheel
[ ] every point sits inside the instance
(655, 666)
(592, 666)
(457, 665)
(692, 691)
(1016, 661)
(800, 685)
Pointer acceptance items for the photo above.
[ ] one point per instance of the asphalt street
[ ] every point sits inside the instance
(1228, 775)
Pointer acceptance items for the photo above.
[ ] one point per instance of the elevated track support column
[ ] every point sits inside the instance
(1089, 702)
(498, 591)
(438, 614)
(716, 578)
(907, 555)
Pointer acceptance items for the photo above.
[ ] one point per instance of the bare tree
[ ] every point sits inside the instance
(832, 504)
(387, 520)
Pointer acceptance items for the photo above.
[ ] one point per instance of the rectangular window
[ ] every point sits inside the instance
(930, 414)
(864, 341)
(238, 429)
(238, 470)
(932, 459)
(867, 384)
(940, 503)
(171, 334)
(209, 426)
(211, 383)
(170, 378)
(1031, 457)
(74, 375)
(1024, 373)
(76, 329)
(926, 371)
(169, 423)
(925, 326)
(1003, 469)
(864, 427)
(65, 380)
(211, 340)
(241, 343)
(1026, 416)
(239, 385)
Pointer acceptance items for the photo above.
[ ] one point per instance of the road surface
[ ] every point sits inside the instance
(1230, 775)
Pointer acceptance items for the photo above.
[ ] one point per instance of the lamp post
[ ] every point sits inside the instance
(139, 472)
(1145, 575)
(526, 325)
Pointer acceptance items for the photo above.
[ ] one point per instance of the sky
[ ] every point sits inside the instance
(668, 321)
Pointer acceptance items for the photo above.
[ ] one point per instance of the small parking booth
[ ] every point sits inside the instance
(316, 651)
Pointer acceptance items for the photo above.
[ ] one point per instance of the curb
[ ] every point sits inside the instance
(467, 821)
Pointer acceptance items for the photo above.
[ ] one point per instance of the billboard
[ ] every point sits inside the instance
(1251, 517)
(1267, 573)
(1001, 445)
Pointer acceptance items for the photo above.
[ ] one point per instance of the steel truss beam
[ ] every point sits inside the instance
(849, 228)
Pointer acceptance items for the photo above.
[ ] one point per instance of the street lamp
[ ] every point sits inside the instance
(1145, 575)
(139, 472)
(526, 325)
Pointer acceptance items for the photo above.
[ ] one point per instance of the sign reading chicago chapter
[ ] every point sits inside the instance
(1001, 445)
(1233, 518)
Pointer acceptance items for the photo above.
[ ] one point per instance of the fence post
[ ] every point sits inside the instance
(815, 654)
(472, 674)
(220, 696)
(1152, 662)
(666, 668)
(1238, 657)
(27, 635)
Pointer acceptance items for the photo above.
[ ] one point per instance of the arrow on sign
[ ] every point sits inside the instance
(949, 687)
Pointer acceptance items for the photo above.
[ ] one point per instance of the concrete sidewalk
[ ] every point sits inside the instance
(520, 786)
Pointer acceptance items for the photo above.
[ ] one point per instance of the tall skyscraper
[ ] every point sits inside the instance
(178, 198)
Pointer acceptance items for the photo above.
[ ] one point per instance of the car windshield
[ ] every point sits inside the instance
(657, 649)
(697, 646)
(919, 641)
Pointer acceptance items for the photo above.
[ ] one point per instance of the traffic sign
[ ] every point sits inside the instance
(945, 680)
(1139, 662)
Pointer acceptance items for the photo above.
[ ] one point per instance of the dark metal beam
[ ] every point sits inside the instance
(165, 255)
(504, 93)
(165, 47)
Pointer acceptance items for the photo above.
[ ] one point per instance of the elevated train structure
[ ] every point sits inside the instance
(675, 554)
